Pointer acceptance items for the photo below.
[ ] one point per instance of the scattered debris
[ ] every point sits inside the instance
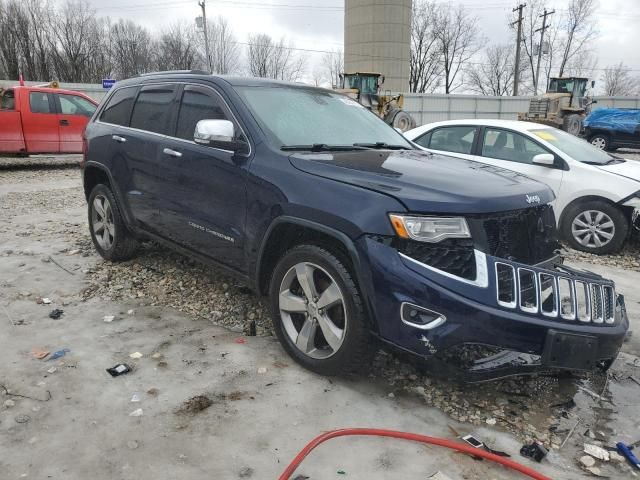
(195, 404)
(109, 318)
(119, 369)
(135, 355)
(153, 392)
(156, 356)
(491, 421)
(587, 461)
(163, 364)
(536, 451)
(9, 403)
(439, 476)
(52, 370)
(341, 472)
(22, 418)
(245, 472)
(593, 394)
(56, 313)
(73, 252)
(135, 398)
(133, 444)
(596, 472)
(301, 477)
(596, 451)
(45, 301)
(568, 405)
(634, 379)
(570, 433)
(262, 370)
(39, 354)
(136, 413)
(10, 393)
(58, 354)
(131, 312)
(240, 340)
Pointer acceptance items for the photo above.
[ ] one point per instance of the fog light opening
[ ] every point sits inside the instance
(419, 317)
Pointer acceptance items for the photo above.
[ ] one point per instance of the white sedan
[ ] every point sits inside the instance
(597, 194)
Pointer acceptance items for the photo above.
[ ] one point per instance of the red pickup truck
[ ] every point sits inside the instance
(43, 120)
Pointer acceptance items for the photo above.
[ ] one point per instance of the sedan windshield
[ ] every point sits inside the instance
(575, 147)
(297, 116)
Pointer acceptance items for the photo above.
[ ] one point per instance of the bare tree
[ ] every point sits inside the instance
(175, 50)
(130, 49)
(579, 30)
(225, 54)
(457, 41)
(493, 75)
(619, 81)
(273, 60)
(333, 66)
(425, 65)
(582, 64)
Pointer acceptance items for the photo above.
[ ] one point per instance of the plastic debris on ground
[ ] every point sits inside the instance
(39, 354)
(9, 403)
(56, 313)
(439, 476)
(58, 354)
(22, 418)
(135, 355)
(535, 450)
(108, 318)
(43, 301)
(262, 370)
(240, 340)
(596, 451)
(52, 370)
(135, 398)
(136, 413)
(119, 369)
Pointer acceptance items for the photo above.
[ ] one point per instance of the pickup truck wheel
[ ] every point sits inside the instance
(108, 231)
(318, 314)
(595, 226)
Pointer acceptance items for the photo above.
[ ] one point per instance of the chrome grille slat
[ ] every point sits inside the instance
(554, 295)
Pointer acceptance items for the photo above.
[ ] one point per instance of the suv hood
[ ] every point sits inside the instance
(426, 182)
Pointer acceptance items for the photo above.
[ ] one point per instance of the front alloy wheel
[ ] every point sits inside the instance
(593, 229)
(312, 309)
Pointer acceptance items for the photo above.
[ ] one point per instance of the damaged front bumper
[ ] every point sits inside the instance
(543, 317)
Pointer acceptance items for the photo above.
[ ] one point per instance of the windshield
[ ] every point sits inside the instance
(305, 116)
(573, 146)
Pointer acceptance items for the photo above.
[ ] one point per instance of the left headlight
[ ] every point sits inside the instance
(429, 229)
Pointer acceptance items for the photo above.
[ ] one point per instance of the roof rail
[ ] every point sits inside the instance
(197, 72)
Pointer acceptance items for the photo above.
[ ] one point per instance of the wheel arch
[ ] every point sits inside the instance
(588, 198)
(95, 173)
(285, 232)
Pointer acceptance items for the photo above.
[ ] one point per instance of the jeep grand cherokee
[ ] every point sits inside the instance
(352, 232)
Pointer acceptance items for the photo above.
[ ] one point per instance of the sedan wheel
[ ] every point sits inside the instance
(593, 229)
(102, 221)
(312, 310)
(599, 142)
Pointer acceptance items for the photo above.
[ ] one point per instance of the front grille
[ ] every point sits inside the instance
(538, 107)
(454, 256)
(525, 236)
(554, 295)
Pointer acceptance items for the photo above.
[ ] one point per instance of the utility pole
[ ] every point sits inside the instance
(516, 72)
(206, 33)
(541, 30)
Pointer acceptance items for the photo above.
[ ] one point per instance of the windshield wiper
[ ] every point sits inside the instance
(322, 147)
(382, 146)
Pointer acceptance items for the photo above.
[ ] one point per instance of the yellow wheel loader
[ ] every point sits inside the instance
(365, 88)
(564, 105)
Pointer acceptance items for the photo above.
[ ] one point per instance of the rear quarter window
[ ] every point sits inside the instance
(118, 109)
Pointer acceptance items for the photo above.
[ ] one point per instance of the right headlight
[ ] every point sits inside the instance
(429, 229)
(633, 201)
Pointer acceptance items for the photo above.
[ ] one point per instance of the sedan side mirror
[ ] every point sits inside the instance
(218, 134)
(545, 159)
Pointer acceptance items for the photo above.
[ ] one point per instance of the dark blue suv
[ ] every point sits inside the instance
(351, 232)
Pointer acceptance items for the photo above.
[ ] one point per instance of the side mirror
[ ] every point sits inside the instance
(544, 159)
(217, 134)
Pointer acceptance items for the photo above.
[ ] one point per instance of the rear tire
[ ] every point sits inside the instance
(108, 231)
(300, 322)
(601, 141)
(572, 124)
(595, 226)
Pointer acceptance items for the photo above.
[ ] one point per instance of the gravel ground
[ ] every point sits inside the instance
(526, 407)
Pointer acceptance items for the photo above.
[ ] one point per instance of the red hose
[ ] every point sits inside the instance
(443, 442)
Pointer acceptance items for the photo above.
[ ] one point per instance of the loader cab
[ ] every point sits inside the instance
(574, 86)
(364, 83)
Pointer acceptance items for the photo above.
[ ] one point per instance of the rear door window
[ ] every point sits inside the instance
(118, 110)
(7, 100)
(198, 104)
(75, 105)
(40, 102)
(453, 139)
(153, 108)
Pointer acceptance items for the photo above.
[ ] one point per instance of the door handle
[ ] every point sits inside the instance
(64, 123)
(172, 153)
(118, 138)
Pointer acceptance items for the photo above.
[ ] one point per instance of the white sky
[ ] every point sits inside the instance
(318, 24)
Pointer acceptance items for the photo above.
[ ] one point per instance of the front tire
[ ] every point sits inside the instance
(109, 234)
(572, 124)
(318, 314)
(595, 226)
(600, 141)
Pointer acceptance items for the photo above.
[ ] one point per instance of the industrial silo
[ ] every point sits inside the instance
(377, 38)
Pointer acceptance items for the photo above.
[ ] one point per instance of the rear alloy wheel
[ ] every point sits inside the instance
(600, 141)
(317, 312)
(595, 226)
